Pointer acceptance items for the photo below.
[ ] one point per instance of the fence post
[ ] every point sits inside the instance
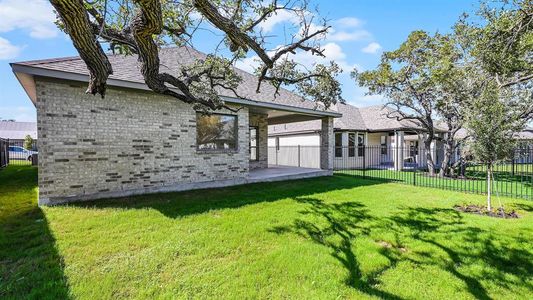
(415, 168)
(298, 156)
(7, 152)
(364, 161)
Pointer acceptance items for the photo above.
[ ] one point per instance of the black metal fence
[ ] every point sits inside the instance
(4, 152)
(18, 152)
(408, 165)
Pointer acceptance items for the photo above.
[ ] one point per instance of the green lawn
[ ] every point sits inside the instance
(323, 238)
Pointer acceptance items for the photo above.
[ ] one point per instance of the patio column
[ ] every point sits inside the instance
(398, 149)
(327, 143)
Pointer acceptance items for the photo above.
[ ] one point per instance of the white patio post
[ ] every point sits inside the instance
(327, 144)
(399, 139)
(433, 148)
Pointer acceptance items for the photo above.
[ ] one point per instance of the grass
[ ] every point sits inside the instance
(336, 237)
(518, 184)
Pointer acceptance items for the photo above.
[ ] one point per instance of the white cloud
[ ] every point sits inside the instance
(372, 48)
(349, 22)
(36, 16)
(343, 36)
(278, 17)
(8, 50)
(248, 64)
(332, 52)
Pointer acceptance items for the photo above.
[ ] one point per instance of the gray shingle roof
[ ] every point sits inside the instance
(378, 118)
(371, 118)
(126, 68)
(17, 130)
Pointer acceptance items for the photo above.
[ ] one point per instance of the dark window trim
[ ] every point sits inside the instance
(352, 144)
(338, 149)
(236, 150)
(256, 140)
(360, 146)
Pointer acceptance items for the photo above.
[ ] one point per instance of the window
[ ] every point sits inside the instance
(383, 144)
(360, 144)
(351, 144)
(338, 144)
(253, 143)
(216, 132)
(413, 147)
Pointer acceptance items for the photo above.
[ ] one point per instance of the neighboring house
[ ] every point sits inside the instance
(135, 141)
(367, 132)
(16, 132)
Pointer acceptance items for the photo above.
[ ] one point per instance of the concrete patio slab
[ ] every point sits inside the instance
(280, 173)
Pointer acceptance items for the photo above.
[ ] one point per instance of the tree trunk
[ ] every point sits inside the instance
(77, 25)
(429, 157)
(448, 151)
(489, 185)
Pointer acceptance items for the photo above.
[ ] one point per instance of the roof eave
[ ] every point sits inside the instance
(20, 69)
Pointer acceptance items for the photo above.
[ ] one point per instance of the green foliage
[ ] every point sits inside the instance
(492, 125)
(500, 38)
(323, 238)
(28, 142)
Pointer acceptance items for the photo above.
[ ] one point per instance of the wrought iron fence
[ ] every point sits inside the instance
(295, 156)
(409, 165)
(18, 152)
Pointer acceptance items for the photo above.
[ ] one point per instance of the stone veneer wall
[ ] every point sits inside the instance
(130, 142)
(261, 122)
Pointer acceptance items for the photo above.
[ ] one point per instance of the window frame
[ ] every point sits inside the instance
(352, 143)
(236, 133)
(256, 141)
(360, 146)
(338, 149)
(384, 147)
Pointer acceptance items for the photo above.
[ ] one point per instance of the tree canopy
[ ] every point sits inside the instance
(141, 27)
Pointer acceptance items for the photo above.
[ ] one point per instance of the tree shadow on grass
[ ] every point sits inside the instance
(180, 204)
(440, 230)
(335, 226)
(446, 230)
(30, 265)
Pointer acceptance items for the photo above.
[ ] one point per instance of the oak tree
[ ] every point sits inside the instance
(141, 27)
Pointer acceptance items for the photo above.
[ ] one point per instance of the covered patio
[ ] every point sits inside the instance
(280, 173)
(262, 168)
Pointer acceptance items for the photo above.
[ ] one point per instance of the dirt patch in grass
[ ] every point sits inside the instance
(482, 210)
(388, 245)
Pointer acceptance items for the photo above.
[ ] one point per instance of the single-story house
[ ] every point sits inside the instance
(135, 141)
(16, 132)
(362, 132)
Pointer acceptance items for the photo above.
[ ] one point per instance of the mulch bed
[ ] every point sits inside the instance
(482, 210)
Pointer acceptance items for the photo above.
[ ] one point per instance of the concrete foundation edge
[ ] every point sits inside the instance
(177, 188)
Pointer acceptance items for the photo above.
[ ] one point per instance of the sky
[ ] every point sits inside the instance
(361, 31)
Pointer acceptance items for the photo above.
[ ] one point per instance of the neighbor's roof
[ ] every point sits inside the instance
(372, 118)
(382, 118)
(126, 73)
(17, 130)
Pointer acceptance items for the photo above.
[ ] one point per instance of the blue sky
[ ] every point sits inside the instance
(362, 29)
